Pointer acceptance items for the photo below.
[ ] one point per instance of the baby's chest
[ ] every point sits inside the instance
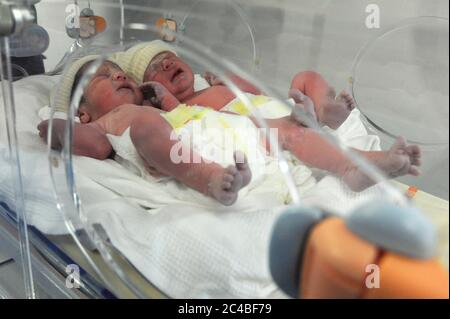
(120, 119)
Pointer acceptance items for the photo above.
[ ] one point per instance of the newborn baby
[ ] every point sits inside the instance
(156, 64)
(113, 103)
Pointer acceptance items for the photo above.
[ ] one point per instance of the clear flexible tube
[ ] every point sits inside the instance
(16, 171)
(122, 23)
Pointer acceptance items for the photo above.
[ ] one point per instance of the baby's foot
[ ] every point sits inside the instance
(400, 160)
(335, 110)
(225, 184)
(303, 111)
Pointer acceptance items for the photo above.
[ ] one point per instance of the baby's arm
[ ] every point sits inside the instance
(88, 139)
(241, 83)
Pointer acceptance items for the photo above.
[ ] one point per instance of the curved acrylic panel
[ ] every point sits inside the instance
(129, 196)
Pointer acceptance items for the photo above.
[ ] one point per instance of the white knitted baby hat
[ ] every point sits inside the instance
(62, 91)
(136, 59)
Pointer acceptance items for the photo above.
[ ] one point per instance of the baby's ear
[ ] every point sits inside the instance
(83, 114)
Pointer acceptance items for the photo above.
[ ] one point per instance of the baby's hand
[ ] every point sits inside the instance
(159, 96)
(304, 108)
(43, 130)
(212, 79)
(58, 127)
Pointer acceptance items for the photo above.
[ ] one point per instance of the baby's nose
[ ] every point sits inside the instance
(167, 64)
(119, 76)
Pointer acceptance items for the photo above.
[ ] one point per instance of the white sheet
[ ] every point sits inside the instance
(186, 249)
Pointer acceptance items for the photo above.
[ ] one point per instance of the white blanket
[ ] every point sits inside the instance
(185, 249)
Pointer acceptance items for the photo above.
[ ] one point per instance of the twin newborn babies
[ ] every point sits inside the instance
(113, 103)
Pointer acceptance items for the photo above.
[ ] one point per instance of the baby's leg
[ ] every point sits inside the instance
(331, 110)
(312, 149)
(151, 134)
(401, 159)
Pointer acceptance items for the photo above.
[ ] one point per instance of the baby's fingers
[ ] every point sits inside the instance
(213, 79)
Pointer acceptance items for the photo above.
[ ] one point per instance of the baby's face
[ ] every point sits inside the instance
(109, 88)
(173, 73)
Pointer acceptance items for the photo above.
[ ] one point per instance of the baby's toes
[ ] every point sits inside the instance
(228, 199)
(331, 93)
(227, 181)
(351, 103)
(236, 185)
(399, 146)
(414, 171)
(233, 177)
(347, 99)
(228, 178)
(226, 185)
(344, 96)
(231, 170)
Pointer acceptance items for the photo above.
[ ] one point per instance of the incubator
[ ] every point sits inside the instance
(225, 149)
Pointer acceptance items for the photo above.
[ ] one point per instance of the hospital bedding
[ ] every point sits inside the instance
(187, 249)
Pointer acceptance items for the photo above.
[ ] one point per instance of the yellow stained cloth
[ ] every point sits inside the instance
(264, 106)
(183, 114)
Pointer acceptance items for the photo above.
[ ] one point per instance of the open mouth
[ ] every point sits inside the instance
(125, 86)
(177, 75)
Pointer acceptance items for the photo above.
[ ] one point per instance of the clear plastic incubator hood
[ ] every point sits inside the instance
(225, 149)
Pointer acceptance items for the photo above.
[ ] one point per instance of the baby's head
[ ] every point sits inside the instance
(157, 61)
(172, 72)
(107, 89)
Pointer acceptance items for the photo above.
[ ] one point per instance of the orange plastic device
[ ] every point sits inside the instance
(167, 29)
(331, 268)
(91, 26)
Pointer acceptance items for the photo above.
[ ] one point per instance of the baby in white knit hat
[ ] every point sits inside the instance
(113, 103)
